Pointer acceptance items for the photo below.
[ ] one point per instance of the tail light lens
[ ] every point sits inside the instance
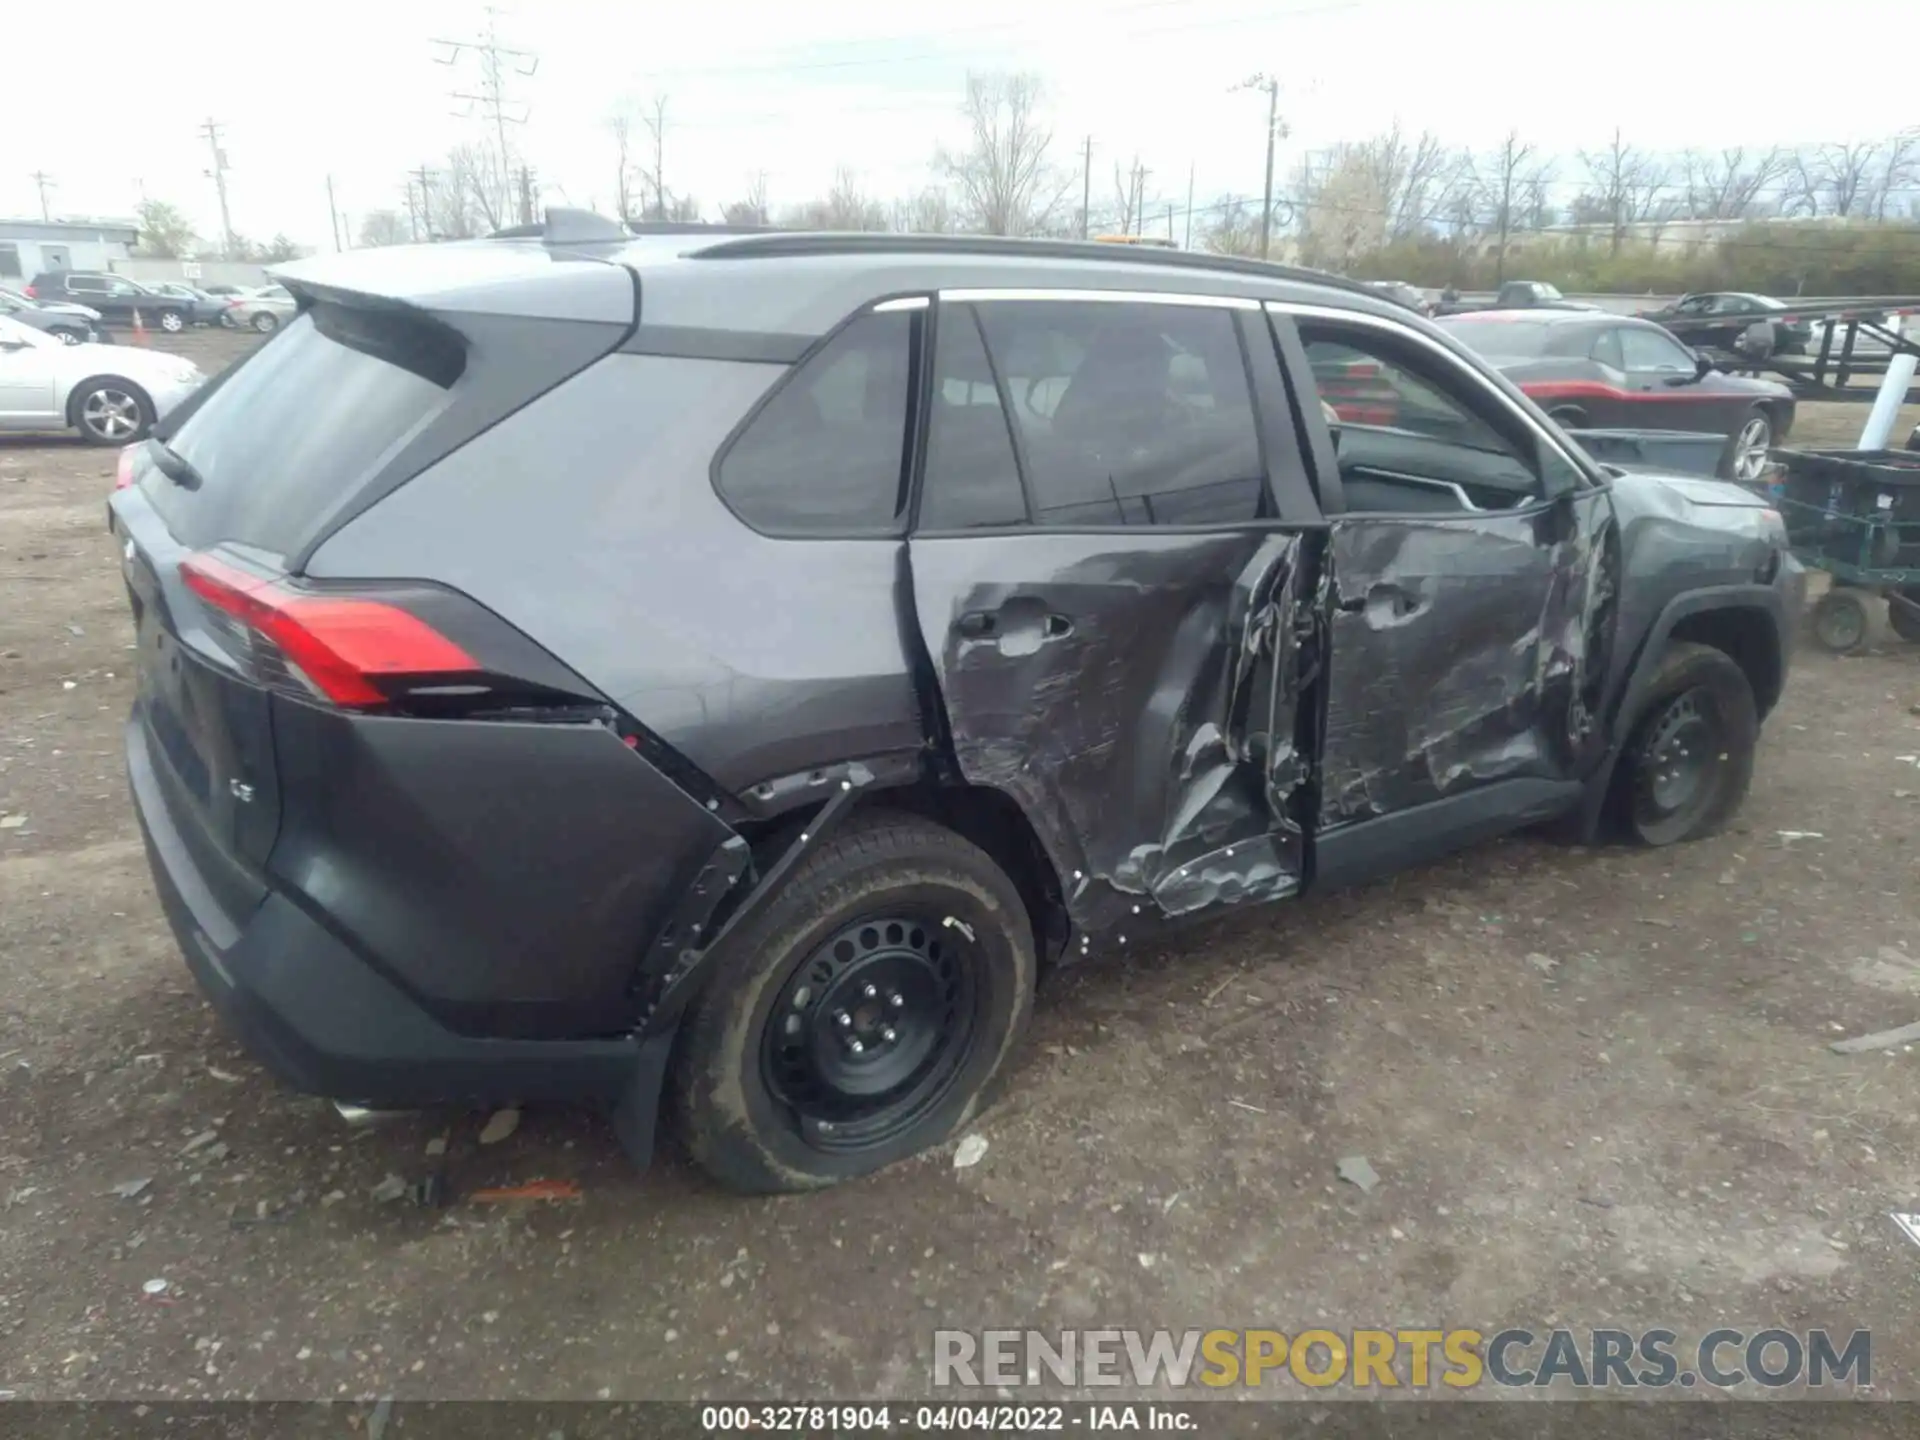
(345, 649)
(123, 468)
(30, 292)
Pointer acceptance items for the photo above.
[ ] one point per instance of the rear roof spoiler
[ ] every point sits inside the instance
(569, 226)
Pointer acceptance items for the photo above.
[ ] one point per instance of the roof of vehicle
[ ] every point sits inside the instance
(583, 267)
(1544, 316)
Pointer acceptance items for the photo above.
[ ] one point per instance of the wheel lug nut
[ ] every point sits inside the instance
(896, 1001)
(888, 1036)
(856, 1047)
(870, 992)
(842, 1019)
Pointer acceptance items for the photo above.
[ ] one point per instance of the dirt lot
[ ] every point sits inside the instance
(1594, 1085)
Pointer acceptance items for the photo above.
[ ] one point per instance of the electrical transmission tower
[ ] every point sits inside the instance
(499, 65)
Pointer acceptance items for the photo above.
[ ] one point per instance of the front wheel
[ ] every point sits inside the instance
(266, 322)
(1568, 417)
(112, 412)
(69, 337)
(172, 321)
(862, 1016)
(1748, 459)
(1690, 761)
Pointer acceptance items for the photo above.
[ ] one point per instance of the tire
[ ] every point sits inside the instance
(68, 337)
(1569, 417)
(1689, 762)
(1904, 620)
(110, 411)
(1747, 455)
(772, 1087)
(266, 322)
(1840, 622)
(172, 321)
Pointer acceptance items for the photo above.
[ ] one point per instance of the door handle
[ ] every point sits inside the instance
(1057, 627)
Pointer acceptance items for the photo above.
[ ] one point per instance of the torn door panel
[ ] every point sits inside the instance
(1111, 693)
(1451, 641)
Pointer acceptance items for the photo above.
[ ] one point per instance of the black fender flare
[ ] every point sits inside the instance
(1622, 712)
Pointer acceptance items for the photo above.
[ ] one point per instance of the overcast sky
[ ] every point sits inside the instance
(352, 88)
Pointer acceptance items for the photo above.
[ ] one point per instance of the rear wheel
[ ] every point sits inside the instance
(68, 337)
(1748, 459)
(1840, 621)
(1569, 417)
(862, 1016)
(266, 322)
(111, 412)
(1690, 761)
(172, 321)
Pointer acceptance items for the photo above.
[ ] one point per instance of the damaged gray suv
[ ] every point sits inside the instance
(711, 674)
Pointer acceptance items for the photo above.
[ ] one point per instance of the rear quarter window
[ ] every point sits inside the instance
(826, 453)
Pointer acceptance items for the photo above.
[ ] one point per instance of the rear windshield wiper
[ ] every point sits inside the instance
(175, 466)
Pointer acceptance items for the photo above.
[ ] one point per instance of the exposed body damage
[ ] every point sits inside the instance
(1460, 650)
(1131, 697)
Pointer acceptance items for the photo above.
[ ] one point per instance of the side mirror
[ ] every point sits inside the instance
(1702, 367)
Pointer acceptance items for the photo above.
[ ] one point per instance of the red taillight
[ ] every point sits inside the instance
(30, 292)
(123, 470)
(341, 643)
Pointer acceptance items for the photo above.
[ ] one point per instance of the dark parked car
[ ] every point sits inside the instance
(70, 324)
(730, 666)
(204, 307)
(1723, 319)
(1609, 371)
(115, 297)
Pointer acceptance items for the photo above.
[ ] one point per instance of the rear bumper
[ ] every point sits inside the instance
(326, 1022)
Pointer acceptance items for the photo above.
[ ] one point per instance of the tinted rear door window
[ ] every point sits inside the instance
(1129, 414)
(826, 454)
(972, 478)
(284, 437)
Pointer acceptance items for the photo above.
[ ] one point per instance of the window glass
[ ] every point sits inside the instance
(1653, 350)
(972, 479)
(1408, 436)
(825, 455)
(1129, 414)
(1606, 349)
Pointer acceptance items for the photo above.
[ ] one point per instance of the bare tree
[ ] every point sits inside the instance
(751, 209)
(620, 125)
(1004, 181)
(845, 207)
(383, 227)
(470, 196)
(1507, 185)
(1407, 175)
(1623, 184)
(1129, 196)
(1235, 228)
(658, 206)
(1899, 170)
(1726, 185)
(928, 213)
(1343, 212)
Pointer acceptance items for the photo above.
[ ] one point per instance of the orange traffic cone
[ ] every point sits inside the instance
(139, 330)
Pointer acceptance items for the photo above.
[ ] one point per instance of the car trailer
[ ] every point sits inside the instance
(1826, 374)
(1856, 515)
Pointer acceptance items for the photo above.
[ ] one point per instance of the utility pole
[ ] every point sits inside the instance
(1086, 184)
(333, 214)
(526, 196)
(45, 182)
(1188, 244)
(1169, 224)
(219, 173)
(1274, 131)
(498, 64)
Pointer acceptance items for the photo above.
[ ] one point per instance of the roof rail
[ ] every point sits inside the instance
(791, 243)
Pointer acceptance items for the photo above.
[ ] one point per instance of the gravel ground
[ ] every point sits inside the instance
(1594, 1084)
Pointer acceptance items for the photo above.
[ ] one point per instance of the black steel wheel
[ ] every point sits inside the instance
(1690, 761)
(871, 1028)
(1840, 621)
(861, 1016)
